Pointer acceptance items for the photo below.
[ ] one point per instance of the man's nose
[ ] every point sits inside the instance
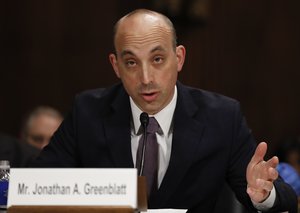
(146, 74)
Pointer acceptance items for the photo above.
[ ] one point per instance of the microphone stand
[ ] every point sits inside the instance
(142, 185)
(144, 119)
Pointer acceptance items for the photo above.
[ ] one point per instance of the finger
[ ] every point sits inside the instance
(260, 152)
(264, 185)
(257, 196)
(261, 185)
(251, 192)
(273, 174)
(273, 162)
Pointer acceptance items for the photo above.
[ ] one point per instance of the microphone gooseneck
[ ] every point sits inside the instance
(144, 119)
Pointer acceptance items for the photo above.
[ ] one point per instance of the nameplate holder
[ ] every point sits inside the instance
(73, 187)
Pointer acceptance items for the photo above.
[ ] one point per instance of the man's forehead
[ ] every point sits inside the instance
(153, 38)
(142, 30)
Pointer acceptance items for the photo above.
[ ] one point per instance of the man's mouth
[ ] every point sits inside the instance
(150, 96)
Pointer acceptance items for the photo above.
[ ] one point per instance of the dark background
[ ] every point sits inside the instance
(246, 49)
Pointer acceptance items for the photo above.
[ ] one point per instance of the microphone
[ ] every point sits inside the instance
(144, 119)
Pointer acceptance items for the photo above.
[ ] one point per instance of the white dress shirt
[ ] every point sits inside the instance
(164, 136)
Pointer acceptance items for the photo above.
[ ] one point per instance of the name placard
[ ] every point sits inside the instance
(77, 187)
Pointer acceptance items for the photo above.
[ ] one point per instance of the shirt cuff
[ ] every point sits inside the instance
(268, 203)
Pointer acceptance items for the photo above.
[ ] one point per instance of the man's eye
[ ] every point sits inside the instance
(158, 60)
(37, 138)
(130, 63)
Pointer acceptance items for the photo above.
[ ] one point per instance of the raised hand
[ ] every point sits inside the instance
(261, 174)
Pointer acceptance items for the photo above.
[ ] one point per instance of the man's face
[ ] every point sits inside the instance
(41, 129)
(147, 62)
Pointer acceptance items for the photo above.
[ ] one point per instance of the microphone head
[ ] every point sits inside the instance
(144, 119)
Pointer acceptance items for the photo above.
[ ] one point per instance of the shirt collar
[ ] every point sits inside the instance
(163, 117)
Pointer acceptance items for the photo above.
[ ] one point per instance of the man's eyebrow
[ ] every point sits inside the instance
(129, 52)
(157, 48)
(126, 52)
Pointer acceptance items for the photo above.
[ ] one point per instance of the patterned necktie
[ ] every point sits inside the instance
(151, 156)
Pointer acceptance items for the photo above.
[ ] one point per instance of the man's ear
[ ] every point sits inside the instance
(180, 54)
(114, 63)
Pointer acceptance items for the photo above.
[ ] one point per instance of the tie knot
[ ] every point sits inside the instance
(153, 125)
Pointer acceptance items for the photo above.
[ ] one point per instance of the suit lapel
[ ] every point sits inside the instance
(117, 129)
(187, 131)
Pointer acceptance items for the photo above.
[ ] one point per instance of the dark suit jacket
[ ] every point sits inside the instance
(211, 144)
(17, 153)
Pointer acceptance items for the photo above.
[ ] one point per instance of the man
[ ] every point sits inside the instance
(203, 138)
(39, 126)
(18, 154)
